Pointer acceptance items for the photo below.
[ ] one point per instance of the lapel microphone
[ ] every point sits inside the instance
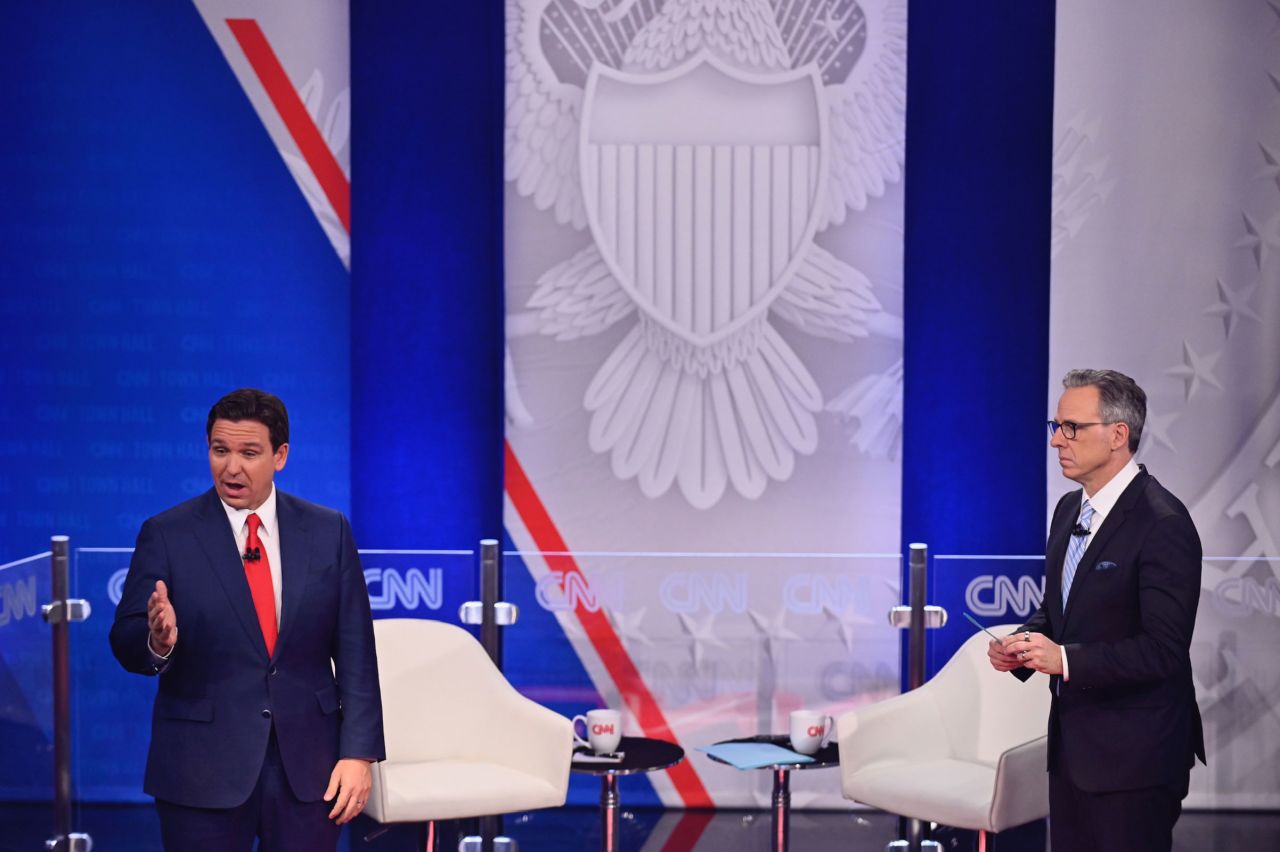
(251, 554)
(1078, 529)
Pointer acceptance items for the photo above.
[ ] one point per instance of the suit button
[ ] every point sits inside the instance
(273, 671)
(266, 714)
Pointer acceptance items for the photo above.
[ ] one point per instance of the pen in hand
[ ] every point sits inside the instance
(978, 625)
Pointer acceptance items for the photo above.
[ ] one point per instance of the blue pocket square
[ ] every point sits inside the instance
(1105, 566)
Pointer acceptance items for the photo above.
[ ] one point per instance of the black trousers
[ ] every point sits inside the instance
(271, 814)
(1120, 821)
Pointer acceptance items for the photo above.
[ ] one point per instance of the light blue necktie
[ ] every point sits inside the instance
(1075, 550)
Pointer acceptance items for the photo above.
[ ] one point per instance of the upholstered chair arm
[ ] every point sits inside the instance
(1022, 785)
(906, 727)
(528, 737)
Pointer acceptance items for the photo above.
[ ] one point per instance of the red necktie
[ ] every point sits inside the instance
(257, 569)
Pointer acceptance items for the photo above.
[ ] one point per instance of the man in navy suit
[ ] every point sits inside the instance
(1122, 583)
(251, 606)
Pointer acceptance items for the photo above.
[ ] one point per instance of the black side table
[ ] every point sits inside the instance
(640, 754)
(828, 755)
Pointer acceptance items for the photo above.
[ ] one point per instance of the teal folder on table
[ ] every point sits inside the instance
(754, 755)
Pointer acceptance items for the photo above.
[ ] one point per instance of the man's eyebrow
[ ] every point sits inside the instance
(248, 445)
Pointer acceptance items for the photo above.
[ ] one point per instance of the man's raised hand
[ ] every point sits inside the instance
(162, 621)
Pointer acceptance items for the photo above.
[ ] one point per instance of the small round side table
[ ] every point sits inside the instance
(640, 754)
(827, 756)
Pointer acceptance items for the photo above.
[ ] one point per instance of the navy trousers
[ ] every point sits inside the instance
(272, 815)
(1122, 821)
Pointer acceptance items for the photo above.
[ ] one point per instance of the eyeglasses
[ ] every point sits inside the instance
(1070, 427)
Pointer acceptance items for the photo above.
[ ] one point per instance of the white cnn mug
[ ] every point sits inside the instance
(809, 730)
(604, 730)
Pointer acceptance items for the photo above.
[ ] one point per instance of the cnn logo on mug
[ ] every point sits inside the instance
(809, 730)
(603, 729)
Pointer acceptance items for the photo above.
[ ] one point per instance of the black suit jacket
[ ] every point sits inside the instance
(220, 694)
(1127, 718)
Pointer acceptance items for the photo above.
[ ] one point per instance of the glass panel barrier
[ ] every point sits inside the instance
(694, 647)
(26, 682)
(1233, 659)
(994, 589)
(1237, 680)
(703, 647)
(112, 708)
(420, 583)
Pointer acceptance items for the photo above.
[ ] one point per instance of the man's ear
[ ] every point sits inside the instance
(1119, 437)
(281, 456)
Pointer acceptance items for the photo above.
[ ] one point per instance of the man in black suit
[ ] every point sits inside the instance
(1122, 583)
(268, 711)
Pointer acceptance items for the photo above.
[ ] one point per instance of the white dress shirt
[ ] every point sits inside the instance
(1102, 502)
(268, 533)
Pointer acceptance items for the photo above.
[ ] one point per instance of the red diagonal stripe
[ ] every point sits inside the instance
(599, 631)
(294, 114)
(688, 831)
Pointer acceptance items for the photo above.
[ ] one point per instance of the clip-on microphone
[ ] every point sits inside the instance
(251, 554)
(1079, 530)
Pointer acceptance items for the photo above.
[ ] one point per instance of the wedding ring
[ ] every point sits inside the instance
(1026, 636)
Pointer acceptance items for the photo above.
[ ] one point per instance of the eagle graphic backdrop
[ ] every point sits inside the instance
(1165, 265)
(704, 365)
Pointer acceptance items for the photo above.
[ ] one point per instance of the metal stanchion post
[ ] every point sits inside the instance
(917, 618)
(490, 594)
(59, 613)
(491, 613)
(919, 568)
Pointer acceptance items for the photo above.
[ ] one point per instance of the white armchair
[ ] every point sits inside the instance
(461, 742)
(967, 749)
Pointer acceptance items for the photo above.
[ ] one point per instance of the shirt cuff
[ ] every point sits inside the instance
(159, 662)
(1066, 670)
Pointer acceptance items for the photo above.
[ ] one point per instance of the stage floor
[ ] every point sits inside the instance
(135, 829)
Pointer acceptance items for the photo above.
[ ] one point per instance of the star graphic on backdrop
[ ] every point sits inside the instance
(831, 24)
(1195, 369)
(844, 619)
(628, 627)
(773, 630)
(1157, 429)
(1232, 305)
(702, 636)
(1272, 169)
(1257, 239)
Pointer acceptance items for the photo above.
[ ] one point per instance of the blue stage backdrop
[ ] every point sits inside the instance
(156, 253)
(979, 132)
(427, 316)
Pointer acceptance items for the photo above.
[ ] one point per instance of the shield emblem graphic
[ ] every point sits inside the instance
(701, 185)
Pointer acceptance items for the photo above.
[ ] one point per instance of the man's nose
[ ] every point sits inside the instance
(1057, 439)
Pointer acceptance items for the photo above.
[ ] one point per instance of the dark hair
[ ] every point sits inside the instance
(253, 404)
(1120, 400)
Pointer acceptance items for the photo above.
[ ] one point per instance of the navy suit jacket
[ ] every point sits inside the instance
(1127, 718)
(220, 695)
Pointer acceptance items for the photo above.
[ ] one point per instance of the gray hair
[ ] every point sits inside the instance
(1120, 399)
